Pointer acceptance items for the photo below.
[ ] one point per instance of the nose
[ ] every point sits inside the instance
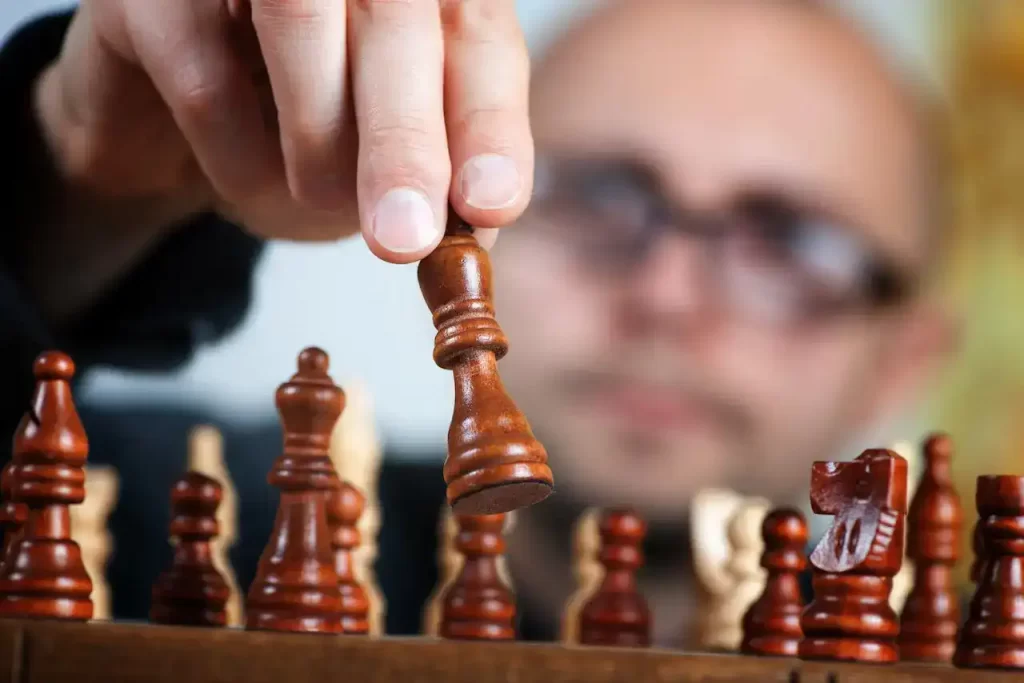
(670, 289)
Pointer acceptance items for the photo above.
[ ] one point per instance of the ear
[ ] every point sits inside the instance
(916, 343)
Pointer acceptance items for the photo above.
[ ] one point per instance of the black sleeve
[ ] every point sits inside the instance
(193, 288)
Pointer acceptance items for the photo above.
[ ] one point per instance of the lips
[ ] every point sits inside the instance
(650, 407)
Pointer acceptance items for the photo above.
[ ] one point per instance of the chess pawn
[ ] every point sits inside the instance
(12, 513)
(850, 617)
(494, 464)
(771, 627)
(746, 577)
(344, 506)
(44, 575)
(192, 592)
(993, 635)
(478, 605)
(296, 587)
(931, 615)
(617, 614)
(588, 572)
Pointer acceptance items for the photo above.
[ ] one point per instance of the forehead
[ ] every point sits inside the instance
(727, 97)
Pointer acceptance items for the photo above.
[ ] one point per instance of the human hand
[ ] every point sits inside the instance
(301, 119)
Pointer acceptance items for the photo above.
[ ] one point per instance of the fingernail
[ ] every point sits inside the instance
(491, 181)
(404, 221)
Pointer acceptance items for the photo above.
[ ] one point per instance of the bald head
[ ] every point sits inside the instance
(728, 96)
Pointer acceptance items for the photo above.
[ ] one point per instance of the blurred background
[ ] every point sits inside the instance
(968, 56)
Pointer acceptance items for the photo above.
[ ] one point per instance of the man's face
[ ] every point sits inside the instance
(705, 360)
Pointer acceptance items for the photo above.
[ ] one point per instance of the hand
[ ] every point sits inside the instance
(301, 119)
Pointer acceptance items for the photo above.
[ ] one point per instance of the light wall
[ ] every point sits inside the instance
(368, 315)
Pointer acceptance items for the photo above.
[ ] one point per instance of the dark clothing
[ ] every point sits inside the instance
(193, 289)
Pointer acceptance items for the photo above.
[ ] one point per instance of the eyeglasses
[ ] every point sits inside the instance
(769, 259)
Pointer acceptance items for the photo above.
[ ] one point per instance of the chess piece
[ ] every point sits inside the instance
(356, 453)
(494, 464)
(206, 456)
(903, 582)
(723, 624)
(993, 635)
(89, 529)
(978, 549)
(12, 513)
(587, 569)
(192, 592)
(44, 575)
(478, 605)
(344, 506)
(771, 627)
(449, 563)
(617, 614)
(850, 617)
(296, 587)
(931, 615)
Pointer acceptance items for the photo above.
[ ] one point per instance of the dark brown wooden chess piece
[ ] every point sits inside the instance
(931, 615)
(478, 605)
(494, 464)
(12, 513)
(296, 586)
(192, 592)
(993, 635)
(44, 575)
(617, 615)
(345, 506)
(771, 626)
(978, 550)
(854, 563)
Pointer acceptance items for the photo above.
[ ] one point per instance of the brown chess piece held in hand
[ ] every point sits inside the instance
(12, 513)
(44, 575)
(192, 592)
(617, 615)
(494, 465)
(296, 586)
(345, 505)
(478, 605)
(853, 564)
(931, 615)
(771, 627)
(993, 635)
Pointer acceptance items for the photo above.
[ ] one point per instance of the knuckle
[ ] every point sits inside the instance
(290, 11)
(198, 97)
(428, 169)
(479, 20)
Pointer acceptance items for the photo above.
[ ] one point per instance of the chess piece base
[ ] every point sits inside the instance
(861, 650)
(990, 657)
(500, 490)
(772, 646)
(65, 609)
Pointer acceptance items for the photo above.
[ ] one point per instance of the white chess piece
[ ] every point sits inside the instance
(89, 530)
(587, 569)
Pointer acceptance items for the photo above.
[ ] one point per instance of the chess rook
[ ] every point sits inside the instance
(44, 575)
(12, 513)
(192, 592)
(478, 605)
(494, 463)
(617, 615)
(978, 549)
(771, 627)
(296, 587)
(853, 564)
(993, 635)
(345, 505)
(931, 615)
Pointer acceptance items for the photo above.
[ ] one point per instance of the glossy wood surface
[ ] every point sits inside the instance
(931, 615)
(296, 585)
(495, 464)
(43, 574)
(853, 564)
(61, 652)
(771, 626)
(345, 505)
(993, 634)
(617, 614)
(478, 605)
(192, 592)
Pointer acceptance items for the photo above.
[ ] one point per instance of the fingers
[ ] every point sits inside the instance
(487, 73)
(303, 46)
(404, 170)
(188, 51)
